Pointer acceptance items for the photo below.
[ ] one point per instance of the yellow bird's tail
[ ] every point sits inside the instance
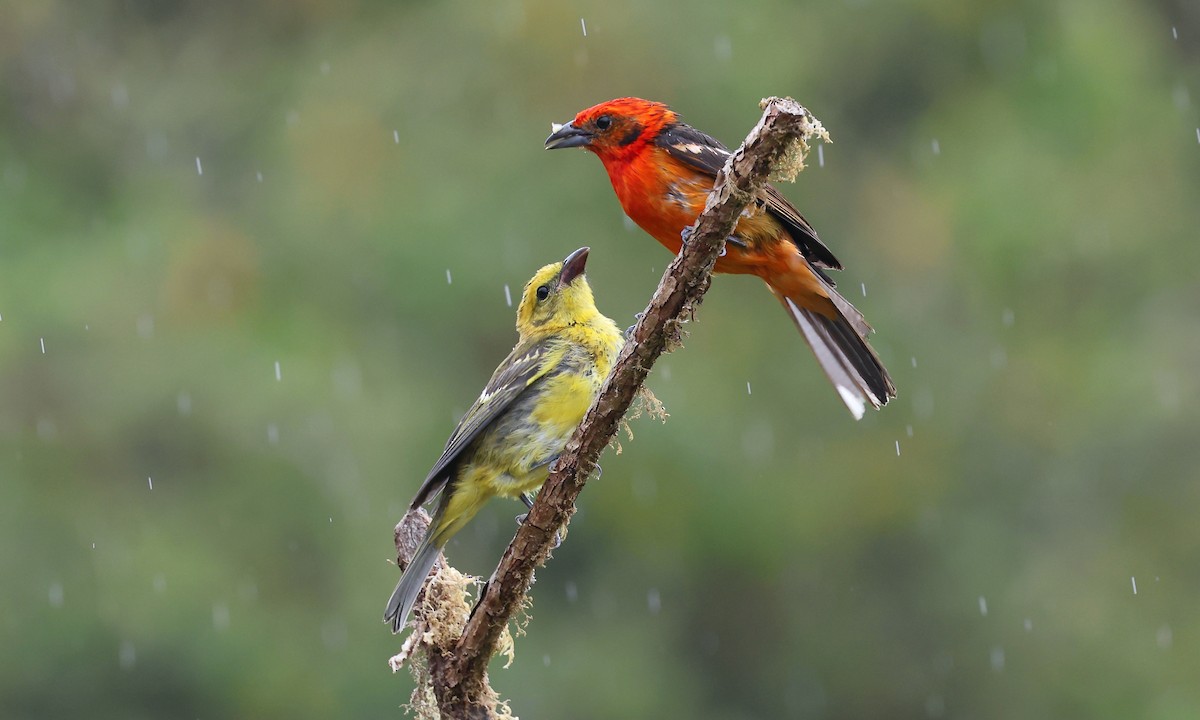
(405, 595)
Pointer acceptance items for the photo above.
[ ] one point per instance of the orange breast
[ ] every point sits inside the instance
(665, 197)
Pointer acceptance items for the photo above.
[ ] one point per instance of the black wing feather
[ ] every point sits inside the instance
(706, 154)
(524, 365)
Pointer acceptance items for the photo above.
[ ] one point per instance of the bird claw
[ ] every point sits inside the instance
(629, 330)
(731, 240)
(558, 536)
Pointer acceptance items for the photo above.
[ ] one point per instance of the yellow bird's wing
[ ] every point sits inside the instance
(522, 368)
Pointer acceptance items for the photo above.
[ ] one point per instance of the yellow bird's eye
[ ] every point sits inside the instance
(543, 292)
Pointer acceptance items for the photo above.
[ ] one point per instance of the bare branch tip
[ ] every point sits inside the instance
(408, 534)
(782, 105)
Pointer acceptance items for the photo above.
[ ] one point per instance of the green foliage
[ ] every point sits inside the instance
(192, 193)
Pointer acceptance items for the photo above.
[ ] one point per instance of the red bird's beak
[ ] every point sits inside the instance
(567, 136)
(573, 266)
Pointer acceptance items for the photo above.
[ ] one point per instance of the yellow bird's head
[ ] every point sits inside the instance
(556, 297)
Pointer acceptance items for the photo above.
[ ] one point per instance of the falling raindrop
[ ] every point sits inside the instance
(1008, 317)
(999, 358)
(572, 591)
(278, 372)
(645, 488)
(654, 601)
(248, 591)
(1133, 581)
(914, 360)
(864, 289)
(923, 404)
(43, 344)
(583, 25)
(160, 583)
(183, 402)
(150, 480)
(334, 634)
(396, 136)
(448, 278)
(273, 434)
(1182, 98)
(325, 68)
(983, 606)
(199, 168)
(723, 47)
(1174, 33)
(820, 156)
(748, 388)
(997, 659)
(897, 448)
(127, 655)
(1028, 625)
(937, 147)
(346, 378)
(258, 175)
(47, 429)
(120, 96)
(1164, 637)
(908, 429)
(220, 616)
(56, 595)
(546, 658)
(507, 296)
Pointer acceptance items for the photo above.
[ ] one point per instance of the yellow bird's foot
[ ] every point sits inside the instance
(558, 536)
(629, 330)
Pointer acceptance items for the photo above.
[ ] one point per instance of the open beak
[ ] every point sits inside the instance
(567, 136)
(573, 266)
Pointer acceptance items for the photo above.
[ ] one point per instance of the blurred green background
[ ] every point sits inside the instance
(254, 261)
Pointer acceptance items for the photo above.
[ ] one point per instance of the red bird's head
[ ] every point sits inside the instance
(614, 129)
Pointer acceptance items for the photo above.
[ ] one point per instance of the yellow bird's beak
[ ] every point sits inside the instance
(573, 266)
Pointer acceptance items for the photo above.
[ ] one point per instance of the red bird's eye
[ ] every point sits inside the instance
(603, 123)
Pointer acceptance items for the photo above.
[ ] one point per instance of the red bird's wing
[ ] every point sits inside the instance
(707, 155)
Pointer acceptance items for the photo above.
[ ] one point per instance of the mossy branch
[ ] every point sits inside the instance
(457, 670)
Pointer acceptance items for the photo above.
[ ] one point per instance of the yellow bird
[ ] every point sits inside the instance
(505, 443)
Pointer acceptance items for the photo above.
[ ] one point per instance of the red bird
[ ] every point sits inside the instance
(662, 171)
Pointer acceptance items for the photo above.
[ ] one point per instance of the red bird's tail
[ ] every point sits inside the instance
(842, 350)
